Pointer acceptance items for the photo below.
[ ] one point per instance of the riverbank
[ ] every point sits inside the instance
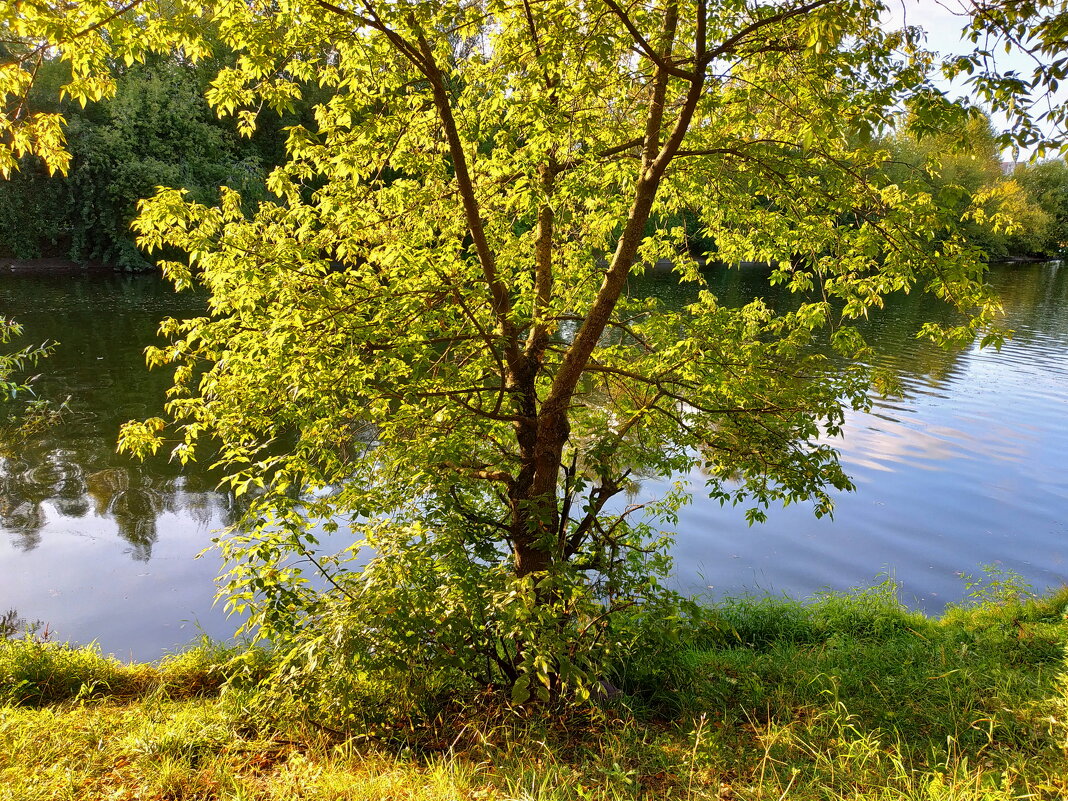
(50, 266)
(845, 696)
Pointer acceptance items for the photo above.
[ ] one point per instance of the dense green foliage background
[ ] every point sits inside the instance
(159, 131)
(156, 131)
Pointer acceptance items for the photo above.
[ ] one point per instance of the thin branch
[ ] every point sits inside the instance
(662, 64)
(654, 122)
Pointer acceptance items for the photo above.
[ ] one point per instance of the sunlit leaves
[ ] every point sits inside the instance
(1031, 99)
(429, 331)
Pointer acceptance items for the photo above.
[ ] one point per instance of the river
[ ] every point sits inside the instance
(968, 467)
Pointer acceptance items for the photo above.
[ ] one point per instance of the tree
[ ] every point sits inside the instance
(1033, 103)
(156, 131)
(1046, 183)
(962, 168)
(428, 333)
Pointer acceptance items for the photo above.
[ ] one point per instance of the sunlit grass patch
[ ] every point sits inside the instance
(757, 700)
(34, 672)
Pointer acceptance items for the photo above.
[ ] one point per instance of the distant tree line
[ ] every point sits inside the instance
(1025, 205)
(158, 130)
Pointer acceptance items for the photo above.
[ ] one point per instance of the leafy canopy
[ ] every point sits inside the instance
(427, 335)
(1031, 98)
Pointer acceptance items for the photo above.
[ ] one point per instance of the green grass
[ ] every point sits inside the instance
(842, 697)
(34, 672)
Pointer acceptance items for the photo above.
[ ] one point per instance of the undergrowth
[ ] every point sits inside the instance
(842, 697)
(36, 671)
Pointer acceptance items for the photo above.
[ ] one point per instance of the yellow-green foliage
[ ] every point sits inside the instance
(35, 672)
(844, 697)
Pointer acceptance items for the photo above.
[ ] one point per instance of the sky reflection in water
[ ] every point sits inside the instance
(968, 467)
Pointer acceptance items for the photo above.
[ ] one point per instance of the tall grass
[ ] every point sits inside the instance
(841, 697)
(35, 672)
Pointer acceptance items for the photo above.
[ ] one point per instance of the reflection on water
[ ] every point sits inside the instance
(966, 467)
(130, 496)
(103, 324)
(80, 518)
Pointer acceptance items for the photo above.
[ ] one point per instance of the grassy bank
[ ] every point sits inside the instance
(841, 697)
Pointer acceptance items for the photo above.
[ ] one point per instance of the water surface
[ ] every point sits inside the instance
(968, 467)
(95, 544)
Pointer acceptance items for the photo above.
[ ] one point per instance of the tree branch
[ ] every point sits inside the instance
(502, 303)
(663, 64)
(728, 45)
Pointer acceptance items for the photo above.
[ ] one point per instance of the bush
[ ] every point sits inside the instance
(206, 668)
(434, 620)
